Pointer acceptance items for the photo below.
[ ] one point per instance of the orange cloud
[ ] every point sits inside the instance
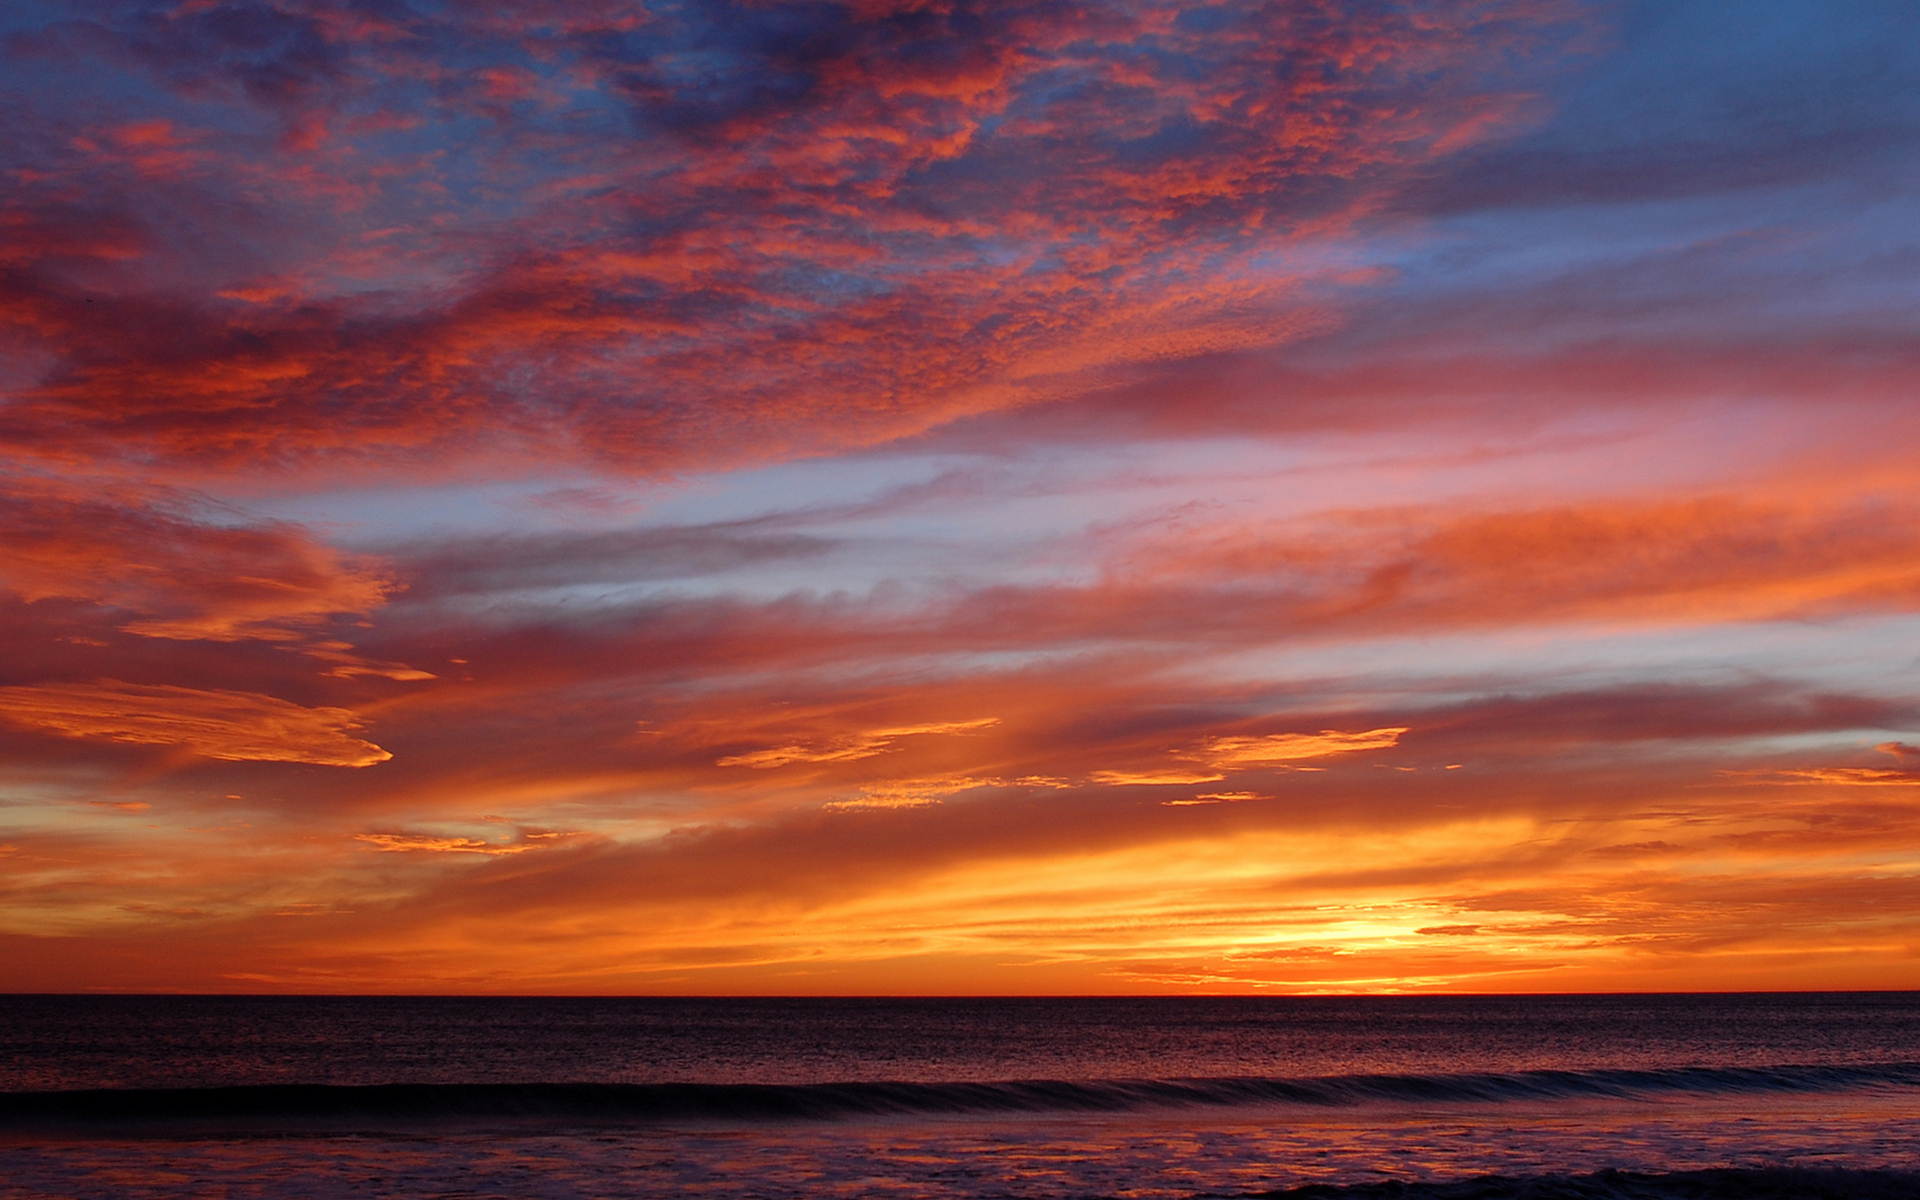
(423, 843)
(1212, 798)
(1222, 754)
(234, 726)
(865, 744)
(1709, 559)
(1013, 233)
(1844, 776)
(918, 793)
(164, 571)
(1334, 895)
(1634, 875)
(1295, 747)
(1151, 777)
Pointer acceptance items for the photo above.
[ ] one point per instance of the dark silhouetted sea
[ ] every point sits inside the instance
(1703, 1096)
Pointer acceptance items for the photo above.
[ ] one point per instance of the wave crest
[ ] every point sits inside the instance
(665, 1102)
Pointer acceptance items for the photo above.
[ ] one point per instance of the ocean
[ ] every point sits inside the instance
(1463, 1098)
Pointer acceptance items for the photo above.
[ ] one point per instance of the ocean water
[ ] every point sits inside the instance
(1460, 1097)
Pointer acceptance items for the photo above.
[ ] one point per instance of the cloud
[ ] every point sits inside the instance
(1376, 572)
(1092, 887)
(1222, 754)
(234, 726)
(167, 568)
(1294, 747)
(885, 800)
(1705, 97)
(1842, 776)
(726, 232)
(1457, 440)
(503, 563)
(428, 843)
(1151, 777)
(921, 792)
(1304, 897)
(865, 744)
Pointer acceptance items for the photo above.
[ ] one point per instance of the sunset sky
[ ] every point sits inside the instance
(925, 497)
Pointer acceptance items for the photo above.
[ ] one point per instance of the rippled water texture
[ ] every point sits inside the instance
(1275, 1094)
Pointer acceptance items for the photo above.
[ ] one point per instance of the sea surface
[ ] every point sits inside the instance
(1655, 1097)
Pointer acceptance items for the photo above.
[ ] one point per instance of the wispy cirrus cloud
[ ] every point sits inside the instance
(864, 744)
(172, 572)
(436, 843)
(234, 726)
(1295, 747)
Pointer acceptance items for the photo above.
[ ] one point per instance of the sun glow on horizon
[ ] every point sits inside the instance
(1009, 498)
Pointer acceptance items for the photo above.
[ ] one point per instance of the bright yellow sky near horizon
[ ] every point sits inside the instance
(1315, 497)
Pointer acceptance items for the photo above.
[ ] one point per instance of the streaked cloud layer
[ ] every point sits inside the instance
(905, 497)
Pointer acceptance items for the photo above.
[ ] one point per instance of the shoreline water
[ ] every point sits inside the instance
(1596, 1097)
(288, 1107)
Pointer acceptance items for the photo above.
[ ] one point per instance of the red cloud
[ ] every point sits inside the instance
(915, 214)
(585, 241)
(234, 726)
(154, 566)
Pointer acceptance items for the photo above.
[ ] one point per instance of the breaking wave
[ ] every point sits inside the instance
(284, 1104)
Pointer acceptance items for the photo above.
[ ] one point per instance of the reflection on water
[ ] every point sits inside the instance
(50, 1042)
(1134, 1155)
(1848, 1095)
